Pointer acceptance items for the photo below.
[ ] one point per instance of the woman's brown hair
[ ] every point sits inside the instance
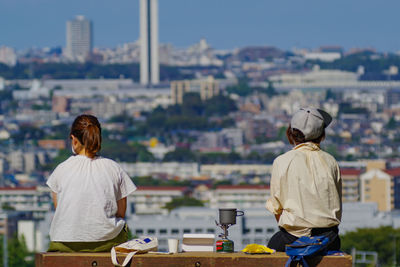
(296, 137)
(87, 129)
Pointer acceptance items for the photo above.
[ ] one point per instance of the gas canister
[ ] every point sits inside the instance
(224, 245)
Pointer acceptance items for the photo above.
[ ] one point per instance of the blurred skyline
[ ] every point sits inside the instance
(225, 24)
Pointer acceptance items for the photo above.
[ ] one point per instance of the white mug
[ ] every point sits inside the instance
(173, 245)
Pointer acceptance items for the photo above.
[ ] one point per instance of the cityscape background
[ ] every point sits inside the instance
(194, 100)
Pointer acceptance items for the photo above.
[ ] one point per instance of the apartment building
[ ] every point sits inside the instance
(220, 171)
(171, 169)
(30, 199)
(207, 88)
(376, 186)
(152, 199)
(240, 196)
(350, 184)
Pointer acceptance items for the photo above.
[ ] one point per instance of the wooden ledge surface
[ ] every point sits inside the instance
(195, 259)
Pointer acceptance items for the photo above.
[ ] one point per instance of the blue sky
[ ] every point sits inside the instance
(226, 24)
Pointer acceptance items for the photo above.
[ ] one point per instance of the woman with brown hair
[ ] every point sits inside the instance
(306, 187)
(89, 194)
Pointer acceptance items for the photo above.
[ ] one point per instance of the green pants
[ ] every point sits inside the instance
(100, 246)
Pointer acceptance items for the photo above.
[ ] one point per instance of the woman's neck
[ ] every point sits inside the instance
(82, 152)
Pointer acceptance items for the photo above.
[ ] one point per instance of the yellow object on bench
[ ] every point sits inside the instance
(257, 249)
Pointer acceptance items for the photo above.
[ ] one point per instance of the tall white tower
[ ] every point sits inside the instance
(79, 39)
(149, 64)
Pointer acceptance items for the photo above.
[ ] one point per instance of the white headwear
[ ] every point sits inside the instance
(311, 122)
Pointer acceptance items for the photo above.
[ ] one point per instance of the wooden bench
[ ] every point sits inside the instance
(194, 259)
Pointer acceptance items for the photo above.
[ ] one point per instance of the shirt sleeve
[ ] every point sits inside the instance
(53, 181)
(126, 186)
(273, 203)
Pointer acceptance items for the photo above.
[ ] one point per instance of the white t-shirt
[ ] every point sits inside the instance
(87, 194)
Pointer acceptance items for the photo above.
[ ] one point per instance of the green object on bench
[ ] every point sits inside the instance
(100, 246)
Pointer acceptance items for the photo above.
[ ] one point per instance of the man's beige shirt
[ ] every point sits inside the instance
(306, 190)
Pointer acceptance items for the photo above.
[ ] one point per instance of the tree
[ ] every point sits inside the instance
(219, 157)
(219, 105)
(62, 155)
(86, 70)
(253, 156)
(379, 239)
(391, 124)
(180, 155)
(329, 94)
(150, 181)
(282, 133)
(18, 254)
(6, 95)
(192, 104)
(7, 206)
(121, 151)
(122, 118)
(27, 132)
(270, 91)
(268, 158)
(60, 131)
(221, 182)
(183, 201)
(242, 89)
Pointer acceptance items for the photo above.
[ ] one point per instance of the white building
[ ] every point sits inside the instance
(33, 237)
(173, 169)
(160, 150)
(365, 215)
(152, 199)
(2, 83)
(323, 56)
(16, 161)
(326, 79)
(8, 56)
(37, 90)
(220, 171)
(149, 61)
(31, 199)
(226, 138)
(370, 100)
(3, 165)
(31, 162)
(79, 39)
(316, 77)
(240, 196)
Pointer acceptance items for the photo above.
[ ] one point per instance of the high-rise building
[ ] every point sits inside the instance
(79, 39)
(149, 62)
(8, 56)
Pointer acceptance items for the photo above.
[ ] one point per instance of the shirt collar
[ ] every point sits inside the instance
(308, 145)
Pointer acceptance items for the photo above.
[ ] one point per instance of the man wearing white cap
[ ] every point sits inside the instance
(306, 187)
